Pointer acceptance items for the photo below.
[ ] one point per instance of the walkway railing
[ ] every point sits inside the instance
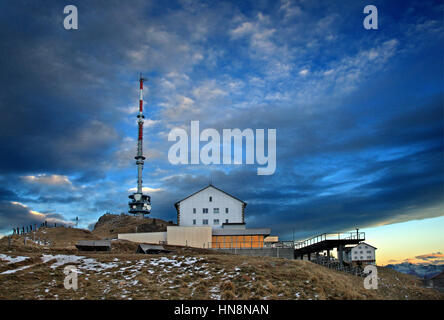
(334, 264)
(330, 236)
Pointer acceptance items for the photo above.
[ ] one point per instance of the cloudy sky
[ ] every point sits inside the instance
(358, 113)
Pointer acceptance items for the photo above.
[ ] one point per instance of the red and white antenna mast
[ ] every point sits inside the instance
(141, 203)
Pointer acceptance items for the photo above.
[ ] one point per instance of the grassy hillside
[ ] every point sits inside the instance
(186, 274)
(35, 271)
(109, 225)
(57, 238)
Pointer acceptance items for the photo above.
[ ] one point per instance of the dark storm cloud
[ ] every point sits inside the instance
(14, 214)
(53, 111)
(373, 155)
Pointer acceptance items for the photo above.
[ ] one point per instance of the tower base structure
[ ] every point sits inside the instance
(140, 204)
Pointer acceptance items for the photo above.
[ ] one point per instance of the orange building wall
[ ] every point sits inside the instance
(238, 241)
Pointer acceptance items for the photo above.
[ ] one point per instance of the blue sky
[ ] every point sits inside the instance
(358, 113)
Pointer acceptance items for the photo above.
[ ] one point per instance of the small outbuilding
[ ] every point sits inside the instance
(94, 245)
(151, 248)
(361, 254)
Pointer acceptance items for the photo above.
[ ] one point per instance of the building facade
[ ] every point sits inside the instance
(211, 207)
(209, 218)
(362, 253)
(227, 237)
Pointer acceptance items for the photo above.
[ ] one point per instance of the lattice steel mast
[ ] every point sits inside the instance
(140, 203)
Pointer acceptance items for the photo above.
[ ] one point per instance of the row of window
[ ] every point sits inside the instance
(368, 257)
(205, 221)
(368, 251)
(215, 210)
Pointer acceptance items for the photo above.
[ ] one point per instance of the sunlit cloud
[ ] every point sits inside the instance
(146, 190)
(45, 179)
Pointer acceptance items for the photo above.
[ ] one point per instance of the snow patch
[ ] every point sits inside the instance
(12, 260)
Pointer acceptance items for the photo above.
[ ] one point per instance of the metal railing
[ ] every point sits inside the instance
(279, 244)
(334, 264)
(330, 236)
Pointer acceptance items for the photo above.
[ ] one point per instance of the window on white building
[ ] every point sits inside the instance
(205, 221)
(211, 199)
(194, 210)
(194, 221)
(362, 257)
(205, 210)
(369, 257)
(226, 220)
(215, 210)
(369, 251)
(216, 221)
(226, 210)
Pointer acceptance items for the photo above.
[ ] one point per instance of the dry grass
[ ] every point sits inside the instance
(110, 225)
(194, 274)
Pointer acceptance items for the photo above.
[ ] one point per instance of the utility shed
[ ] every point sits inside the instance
(94, 245)
(151, 248)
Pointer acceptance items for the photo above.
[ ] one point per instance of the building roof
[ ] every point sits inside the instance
(365, 244)
(210, 185)
(94, 243)
(241, 232)
(151, 248)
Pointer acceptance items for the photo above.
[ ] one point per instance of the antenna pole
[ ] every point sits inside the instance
(140, 203)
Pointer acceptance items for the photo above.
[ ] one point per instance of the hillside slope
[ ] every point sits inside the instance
(57, 238)
(110, 225)
(186, 274)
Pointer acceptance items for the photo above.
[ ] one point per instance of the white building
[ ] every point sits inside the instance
(362, 253)
(210, 206)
